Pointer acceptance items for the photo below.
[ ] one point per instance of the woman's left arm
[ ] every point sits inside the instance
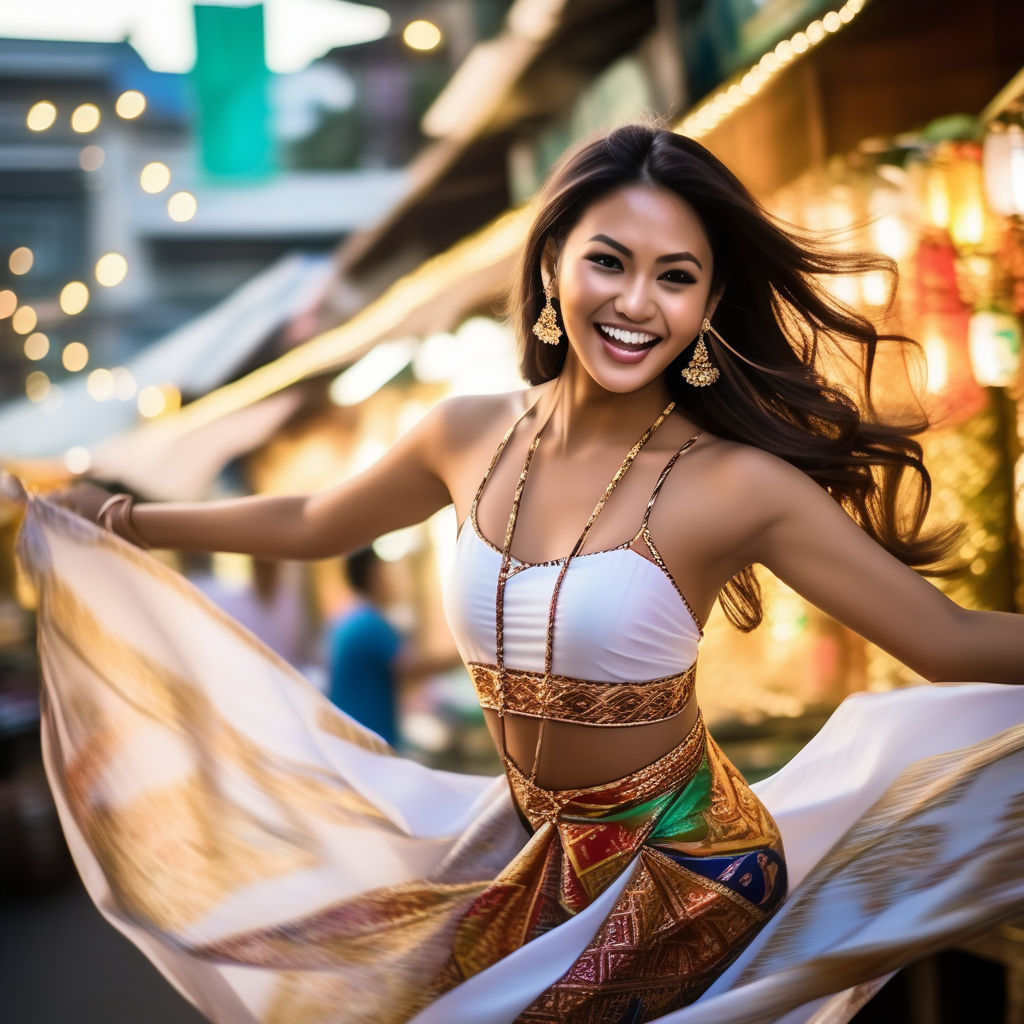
(810, 543)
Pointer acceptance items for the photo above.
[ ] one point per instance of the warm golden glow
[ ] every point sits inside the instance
(36, 346)
(154, 177)
(77, 460)
(151, 401)
(24, 320)
(421, 35)
(74, 297)
(130, 104)
(111, 269)
(21, 260)
(85, 118)
(8, 303)
(181, 206)
(37, 386)
(74, 357)
(91, 158)
(41, 116)
(100, 385)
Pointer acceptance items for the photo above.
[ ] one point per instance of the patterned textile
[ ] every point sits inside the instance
(278, 863)
(581, 701)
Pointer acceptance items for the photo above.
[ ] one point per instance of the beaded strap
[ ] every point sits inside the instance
(503, 574)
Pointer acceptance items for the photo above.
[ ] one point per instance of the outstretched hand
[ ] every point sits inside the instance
(83, 498)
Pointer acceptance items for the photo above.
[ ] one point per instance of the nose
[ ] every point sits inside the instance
(634, 299)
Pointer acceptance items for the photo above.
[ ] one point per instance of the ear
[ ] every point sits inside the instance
(549, 263)
(713, 299)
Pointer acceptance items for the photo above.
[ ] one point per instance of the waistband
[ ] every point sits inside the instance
(661, 777)
(580, 702)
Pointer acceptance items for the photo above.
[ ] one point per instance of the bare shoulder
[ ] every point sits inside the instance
(733, 490)
(461, 423)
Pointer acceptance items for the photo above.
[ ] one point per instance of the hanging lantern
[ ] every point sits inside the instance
(970, 224)
(993, 338)
(1004, 168)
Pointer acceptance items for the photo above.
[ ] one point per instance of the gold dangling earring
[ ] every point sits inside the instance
(701, 372)
(546, 328)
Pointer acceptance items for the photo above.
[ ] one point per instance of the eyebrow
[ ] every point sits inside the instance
(673, 257)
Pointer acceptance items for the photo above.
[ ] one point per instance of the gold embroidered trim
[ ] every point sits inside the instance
(579, 701)
(668, 772)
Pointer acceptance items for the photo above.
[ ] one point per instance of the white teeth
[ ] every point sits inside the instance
(627, 337)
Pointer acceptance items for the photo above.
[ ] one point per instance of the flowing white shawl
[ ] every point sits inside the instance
(206, 789)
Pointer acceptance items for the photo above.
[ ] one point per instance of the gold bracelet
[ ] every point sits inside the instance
(115, 516)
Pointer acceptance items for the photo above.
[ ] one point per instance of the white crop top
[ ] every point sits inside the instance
(619, 617)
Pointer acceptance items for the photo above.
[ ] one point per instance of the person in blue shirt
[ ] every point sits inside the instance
(363, 649)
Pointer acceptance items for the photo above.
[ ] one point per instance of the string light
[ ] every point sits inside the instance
(77, 460)
(21, 260)
(85, 118)
(37, 345)
(154, 177)
(37, 386)
(744, 86)
(111, 269)
(130, 104)
(24, 320)
(182, 207)
(41, 116)
(74, 297)
(91, 158)
(421, 35)
(100, 384)
(75, 356)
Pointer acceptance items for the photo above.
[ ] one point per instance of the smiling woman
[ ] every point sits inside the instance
(678, 429)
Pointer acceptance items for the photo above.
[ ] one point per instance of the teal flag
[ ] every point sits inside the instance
(231, 83)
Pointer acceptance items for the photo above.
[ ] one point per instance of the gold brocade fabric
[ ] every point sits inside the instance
(564, 699)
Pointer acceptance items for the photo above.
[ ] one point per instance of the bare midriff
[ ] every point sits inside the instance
(575, 756)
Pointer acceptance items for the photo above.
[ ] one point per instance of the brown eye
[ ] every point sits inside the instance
(603, 259)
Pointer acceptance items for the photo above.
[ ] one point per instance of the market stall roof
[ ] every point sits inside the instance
(195, 358)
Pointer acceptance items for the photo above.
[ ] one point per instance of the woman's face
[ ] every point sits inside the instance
(633, 280)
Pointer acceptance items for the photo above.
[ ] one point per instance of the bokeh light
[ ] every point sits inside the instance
(100, 385)
(37, 386)
(8, 303)
(77, 460)
(130, 104)
(85, 118)
(24, 320)
(91, 158)
(421, 35)
(111, 269)
(41, 116)
(74, 297)
(37, 345)
(75, 356)
(20, 261)
(151, 401)
(154, 177)
(125, 385)
(182, 206)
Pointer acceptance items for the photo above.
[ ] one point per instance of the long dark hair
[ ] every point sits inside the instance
(776, 319)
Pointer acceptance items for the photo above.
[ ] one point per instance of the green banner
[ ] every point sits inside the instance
(231, 82)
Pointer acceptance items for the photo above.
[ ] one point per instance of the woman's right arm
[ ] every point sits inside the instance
(404, 487)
